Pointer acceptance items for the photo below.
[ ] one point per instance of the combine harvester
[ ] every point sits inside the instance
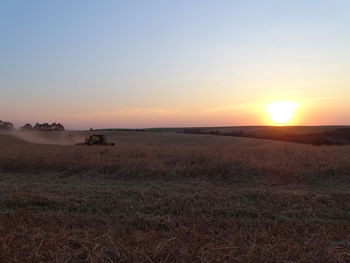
(96, 139)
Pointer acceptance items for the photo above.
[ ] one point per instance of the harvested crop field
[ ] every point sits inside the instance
(183, 198)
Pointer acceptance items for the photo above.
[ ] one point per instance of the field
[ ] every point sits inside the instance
(269, 130)
(251, 130)
(167, 197)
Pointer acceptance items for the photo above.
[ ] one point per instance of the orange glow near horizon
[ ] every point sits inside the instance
(271, 110)
(281, 112)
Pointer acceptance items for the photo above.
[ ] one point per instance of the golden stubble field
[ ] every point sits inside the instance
(164, 197)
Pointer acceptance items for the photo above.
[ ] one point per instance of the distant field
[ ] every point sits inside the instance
(256, 130)
(123, 138)
(170, 136)
(271, 130)
(167, 197)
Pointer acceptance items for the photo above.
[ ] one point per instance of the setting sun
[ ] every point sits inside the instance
(281, 112)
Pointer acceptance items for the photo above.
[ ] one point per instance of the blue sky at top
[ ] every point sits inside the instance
(93, 61)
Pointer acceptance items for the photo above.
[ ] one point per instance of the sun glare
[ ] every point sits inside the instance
(281, 112)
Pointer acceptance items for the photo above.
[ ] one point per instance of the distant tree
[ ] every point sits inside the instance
(41, 126)
(27, 127)
(49, 127)
(5, 125)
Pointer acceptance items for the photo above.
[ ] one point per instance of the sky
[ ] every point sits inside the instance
(162, 63)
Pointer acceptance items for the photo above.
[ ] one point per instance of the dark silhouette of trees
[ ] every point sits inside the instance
(5, 125)
(27, 127)
(43, 127)
(48, 127)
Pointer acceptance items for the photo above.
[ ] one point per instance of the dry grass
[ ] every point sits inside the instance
(242, 202)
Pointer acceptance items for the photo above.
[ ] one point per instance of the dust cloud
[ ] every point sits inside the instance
(59, 138)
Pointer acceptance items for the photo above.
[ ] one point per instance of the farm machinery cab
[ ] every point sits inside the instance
(96, 139)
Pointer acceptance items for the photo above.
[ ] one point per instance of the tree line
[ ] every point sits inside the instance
(5, 125)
